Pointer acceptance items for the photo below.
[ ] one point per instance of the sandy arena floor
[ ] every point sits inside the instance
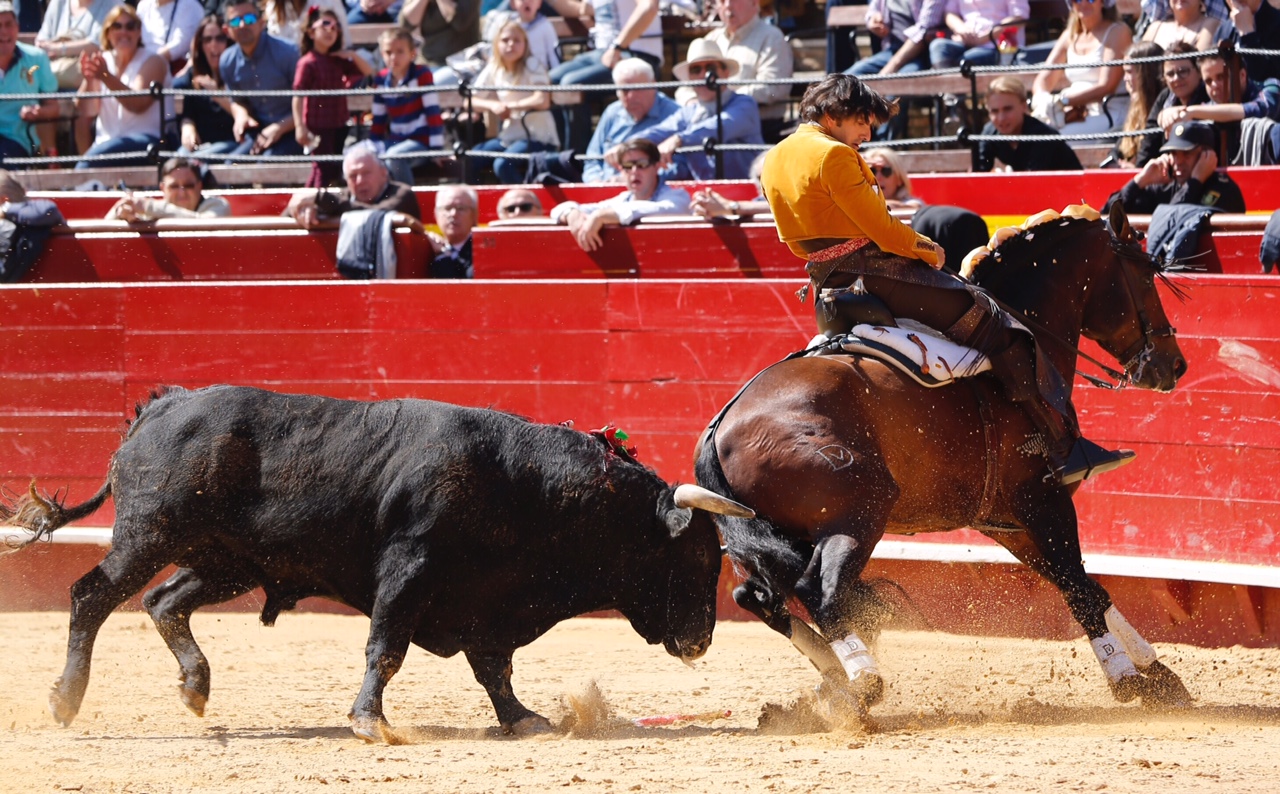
(962, 713)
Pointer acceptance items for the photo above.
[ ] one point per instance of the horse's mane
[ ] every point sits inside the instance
(1025, 249)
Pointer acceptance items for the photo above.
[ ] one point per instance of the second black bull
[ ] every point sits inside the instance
(456, 529)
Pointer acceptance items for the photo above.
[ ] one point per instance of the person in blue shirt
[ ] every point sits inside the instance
(636, 110)
(1252, 99)
(259, 61)
(23, 70)
(696, 121)
(646, 194)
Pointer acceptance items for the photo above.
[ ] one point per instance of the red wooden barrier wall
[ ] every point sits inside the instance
(985, 194)
(657, 358)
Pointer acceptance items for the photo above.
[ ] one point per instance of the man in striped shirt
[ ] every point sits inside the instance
(406, 123)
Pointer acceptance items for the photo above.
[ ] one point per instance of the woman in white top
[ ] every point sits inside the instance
(526, 123)
(285, 17)
(123, 124)
(1191, 24)
(1085, 97)
(168, 27)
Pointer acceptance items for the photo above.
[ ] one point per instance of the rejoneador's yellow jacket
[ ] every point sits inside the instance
(818, 187)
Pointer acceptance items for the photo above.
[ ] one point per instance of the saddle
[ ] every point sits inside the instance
(918, 351)
(858, 323)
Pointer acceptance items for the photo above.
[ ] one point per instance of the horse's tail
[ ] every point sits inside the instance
(754, 544)
(42, 514)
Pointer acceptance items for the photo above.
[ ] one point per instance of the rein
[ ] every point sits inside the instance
(1134, 356)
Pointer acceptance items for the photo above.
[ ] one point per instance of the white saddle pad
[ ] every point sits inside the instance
(936, 361)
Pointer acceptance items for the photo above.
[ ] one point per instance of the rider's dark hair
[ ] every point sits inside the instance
(843, 96)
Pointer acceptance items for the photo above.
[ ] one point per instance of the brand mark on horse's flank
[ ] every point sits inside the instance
(837, 456)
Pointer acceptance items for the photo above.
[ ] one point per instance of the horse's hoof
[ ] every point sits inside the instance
(374, 730)
(532, 725)
(845, 704)
(1127, 688)
(193, 700)
(61, 709)
(1161, 688)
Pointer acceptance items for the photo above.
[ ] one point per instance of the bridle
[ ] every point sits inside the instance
(1133, 359)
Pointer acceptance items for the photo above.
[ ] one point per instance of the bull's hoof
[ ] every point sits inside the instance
(374, 730)
(1161, 688)
(532, 725)
(62, 709)
(196, 701)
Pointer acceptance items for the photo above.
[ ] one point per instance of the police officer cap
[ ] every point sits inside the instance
(1187, 135)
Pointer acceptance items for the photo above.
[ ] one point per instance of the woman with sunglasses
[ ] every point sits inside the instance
(892, 178)
(123, 123)
(168, 27)
(1085, 97)
(207, 125)
(320, 122)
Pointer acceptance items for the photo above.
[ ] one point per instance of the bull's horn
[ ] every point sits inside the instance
(688, 495)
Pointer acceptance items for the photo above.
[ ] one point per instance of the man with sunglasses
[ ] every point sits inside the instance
(646, 195)
(519, 203)
(258, 61)
(762, 53)
(696, 122)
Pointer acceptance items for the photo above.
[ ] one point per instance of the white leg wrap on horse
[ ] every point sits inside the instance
(1113, 658)
(1139, 650)
(855, 657)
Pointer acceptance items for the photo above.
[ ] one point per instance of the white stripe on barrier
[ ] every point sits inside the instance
(1098, 564)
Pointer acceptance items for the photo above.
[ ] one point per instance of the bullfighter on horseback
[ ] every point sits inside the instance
(830, 212)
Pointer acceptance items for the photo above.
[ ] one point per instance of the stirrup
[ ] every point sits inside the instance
(1087, 459)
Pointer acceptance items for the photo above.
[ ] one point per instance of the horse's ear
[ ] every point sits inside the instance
(1120, 226)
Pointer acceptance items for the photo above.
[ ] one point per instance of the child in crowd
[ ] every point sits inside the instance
(320, 122)
(404, 123)
(525, 116)
(539, 31)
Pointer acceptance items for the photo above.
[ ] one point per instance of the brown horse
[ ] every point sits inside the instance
(834, 451)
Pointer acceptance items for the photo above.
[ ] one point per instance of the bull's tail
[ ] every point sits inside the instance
(42, 514)
(766, 554)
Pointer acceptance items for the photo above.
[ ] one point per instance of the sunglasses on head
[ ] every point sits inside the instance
(882, 170)
(634, 164)
(131, 25)
(242, 21)
(524, 206)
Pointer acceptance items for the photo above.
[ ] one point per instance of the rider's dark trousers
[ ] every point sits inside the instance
(967, 316)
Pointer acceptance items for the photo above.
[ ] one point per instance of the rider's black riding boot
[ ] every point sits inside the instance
(1072, 457)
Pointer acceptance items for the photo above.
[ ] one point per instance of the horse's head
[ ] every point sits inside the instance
(1124, 315)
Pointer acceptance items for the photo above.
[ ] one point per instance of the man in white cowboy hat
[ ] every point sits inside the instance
(738, 122)
(762, 53)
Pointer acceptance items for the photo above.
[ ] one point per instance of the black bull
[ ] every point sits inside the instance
(456, 529)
